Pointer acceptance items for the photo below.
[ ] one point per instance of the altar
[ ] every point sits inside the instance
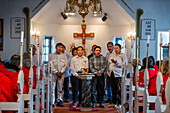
(86, 91)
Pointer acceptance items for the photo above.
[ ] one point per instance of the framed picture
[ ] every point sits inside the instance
(148, 28)
(17, 25)
(1, 34)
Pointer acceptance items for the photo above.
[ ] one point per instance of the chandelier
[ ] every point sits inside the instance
(83, 7)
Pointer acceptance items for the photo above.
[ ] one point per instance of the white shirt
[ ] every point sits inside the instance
(67, 73)
(116, 68)
(35, 60)
(107, 55)
(77, 63)
(59, 62)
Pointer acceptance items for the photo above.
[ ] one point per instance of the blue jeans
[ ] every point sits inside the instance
(109, 89)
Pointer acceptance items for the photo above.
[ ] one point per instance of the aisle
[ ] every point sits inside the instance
(69, 109)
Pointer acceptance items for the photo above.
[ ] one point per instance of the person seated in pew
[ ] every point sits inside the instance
(7, 93)
(26, 66)
(157, 63)
(6, 90)
(165, 74)
(154, 64)
(14, 63)
(12, 73)
(152, 79)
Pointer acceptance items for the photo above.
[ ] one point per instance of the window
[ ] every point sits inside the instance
(119, 40)
(165, 41)
(47, 48)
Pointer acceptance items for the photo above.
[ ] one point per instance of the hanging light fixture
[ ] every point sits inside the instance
(83, 7)
(97, 9)
(72, 10)
(67, 10)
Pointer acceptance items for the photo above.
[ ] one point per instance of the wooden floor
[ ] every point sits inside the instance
(69, 109)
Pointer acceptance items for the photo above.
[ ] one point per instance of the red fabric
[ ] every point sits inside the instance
(13, 78)
(35, 75)
(165, 78)
(6, 88)
(152, 83)
(3, 94)
(26, 80)
(156, 67)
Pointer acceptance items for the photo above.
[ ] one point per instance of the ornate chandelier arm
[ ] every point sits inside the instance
(73, 2)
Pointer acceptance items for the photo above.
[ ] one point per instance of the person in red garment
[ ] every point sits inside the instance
(165, 74)
(11, 72)
(153, 63)
(26, 67)
(6, 89)
(152, 79)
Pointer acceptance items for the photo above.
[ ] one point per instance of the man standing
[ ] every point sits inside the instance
(66, 77)
(35, 56)
(97, 66)
(58, 65)
(110, 48)
(77, 63)
(92, 49)
(115, 74)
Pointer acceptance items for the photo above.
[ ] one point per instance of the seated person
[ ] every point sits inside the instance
(6, 89)
(165, 74)
(12, 73)
(152, 79)
(154, 64)
(26, 67)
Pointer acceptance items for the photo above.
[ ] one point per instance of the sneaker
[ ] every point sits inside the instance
(111, 105)
(74, 105)
(118, 106)
(102, 105)
(66, 100)
(60, 103)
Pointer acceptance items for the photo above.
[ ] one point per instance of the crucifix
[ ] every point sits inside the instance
(83, 35)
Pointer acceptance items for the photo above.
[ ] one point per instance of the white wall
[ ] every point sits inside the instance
(153, 9)
(64, 34)
(9, 9)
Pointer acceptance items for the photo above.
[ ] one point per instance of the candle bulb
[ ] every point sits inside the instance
(160, 38)
(22, 36)
(148, 39)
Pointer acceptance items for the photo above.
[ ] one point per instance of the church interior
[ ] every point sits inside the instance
(40, 36)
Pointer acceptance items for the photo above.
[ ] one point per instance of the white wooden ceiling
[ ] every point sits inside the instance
(51, 13)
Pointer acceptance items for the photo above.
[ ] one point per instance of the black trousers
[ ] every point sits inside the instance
(66, 87)
(115, 83)
(76, 88)
(98, 83)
